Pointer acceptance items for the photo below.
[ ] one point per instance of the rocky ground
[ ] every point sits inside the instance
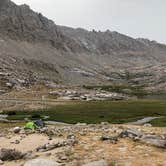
(42, 96)
(83, 145)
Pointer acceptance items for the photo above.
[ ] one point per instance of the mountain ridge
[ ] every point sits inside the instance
(35, 49)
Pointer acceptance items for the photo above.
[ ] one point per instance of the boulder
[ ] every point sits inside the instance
(113, 140)
(131, 133)
(10, 154)
(41, 162)
(147, 125)
(30, 155)
(154, 141)
(1, 162)
(16, 129)
(97, 163)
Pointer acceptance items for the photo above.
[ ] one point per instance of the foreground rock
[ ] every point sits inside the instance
(110, 139)
(137, 135)
(131, 133)
(97, 163)
(41, 162)
(1, 162)
(10, 154)
(154, 141)
(78, 145)
(48, 147)
(16, 129)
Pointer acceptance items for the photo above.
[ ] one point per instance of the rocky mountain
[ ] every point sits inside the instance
(35, 49)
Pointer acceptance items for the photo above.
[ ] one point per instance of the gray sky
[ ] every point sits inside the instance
(136, 18)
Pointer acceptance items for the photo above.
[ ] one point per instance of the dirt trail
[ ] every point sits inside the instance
(144, 120)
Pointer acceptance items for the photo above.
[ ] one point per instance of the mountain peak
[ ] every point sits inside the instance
(6, 2)
(25, 6)
(34, 48)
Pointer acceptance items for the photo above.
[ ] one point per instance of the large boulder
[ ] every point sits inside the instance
(41, 162)
(154, 141)
(10, 154)
(16, 130)
(131, 133)
(97, 163)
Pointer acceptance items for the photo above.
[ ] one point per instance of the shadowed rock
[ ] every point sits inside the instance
(10, 154)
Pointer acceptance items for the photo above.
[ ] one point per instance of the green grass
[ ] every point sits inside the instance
(96, 112)
(161, 122)
(5, 126)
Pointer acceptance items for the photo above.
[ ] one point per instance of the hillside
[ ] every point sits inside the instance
(34, 49)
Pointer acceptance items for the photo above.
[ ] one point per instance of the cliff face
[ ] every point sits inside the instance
(21, 23)
(34, 49)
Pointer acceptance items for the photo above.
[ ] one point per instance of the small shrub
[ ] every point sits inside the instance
(36, 116)
(10, 113)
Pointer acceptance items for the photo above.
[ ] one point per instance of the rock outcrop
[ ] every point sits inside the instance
(41, 162)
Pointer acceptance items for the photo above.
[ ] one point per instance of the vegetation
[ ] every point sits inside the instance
(96, 112)
(161, 122)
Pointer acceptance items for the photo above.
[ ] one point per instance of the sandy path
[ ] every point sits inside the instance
(144, 120)
(30, 142)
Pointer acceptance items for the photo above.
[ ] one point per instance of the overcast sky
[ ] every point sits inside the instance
(137, 18)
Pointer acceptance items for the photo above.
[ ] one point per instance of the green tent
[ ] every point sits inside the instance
(31, 125)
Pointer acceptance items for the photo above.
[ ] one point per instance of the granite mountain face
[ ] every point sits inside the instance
(35, 49)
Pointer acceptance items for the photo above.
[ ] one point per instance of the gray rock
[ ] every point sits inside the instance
(41, 162)
(113, 140)
(71, 136)
(147, 125)
(1, 162)
(81, 124)
(97, 163)
(10, 154)
(131, 133)
(105, 123)
(16, 129)
(154, 141)
(22, 131)
(17, 142)
(30, 155)
(48, 147)
(63, 158)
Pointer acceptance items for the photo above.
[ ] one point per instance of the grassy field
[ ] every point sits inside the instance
(96, 112)
(4, 127)
(161, 122)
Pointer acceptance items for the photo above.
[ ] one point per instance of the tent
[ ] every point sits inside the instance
(39, 123)
(31, 125)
